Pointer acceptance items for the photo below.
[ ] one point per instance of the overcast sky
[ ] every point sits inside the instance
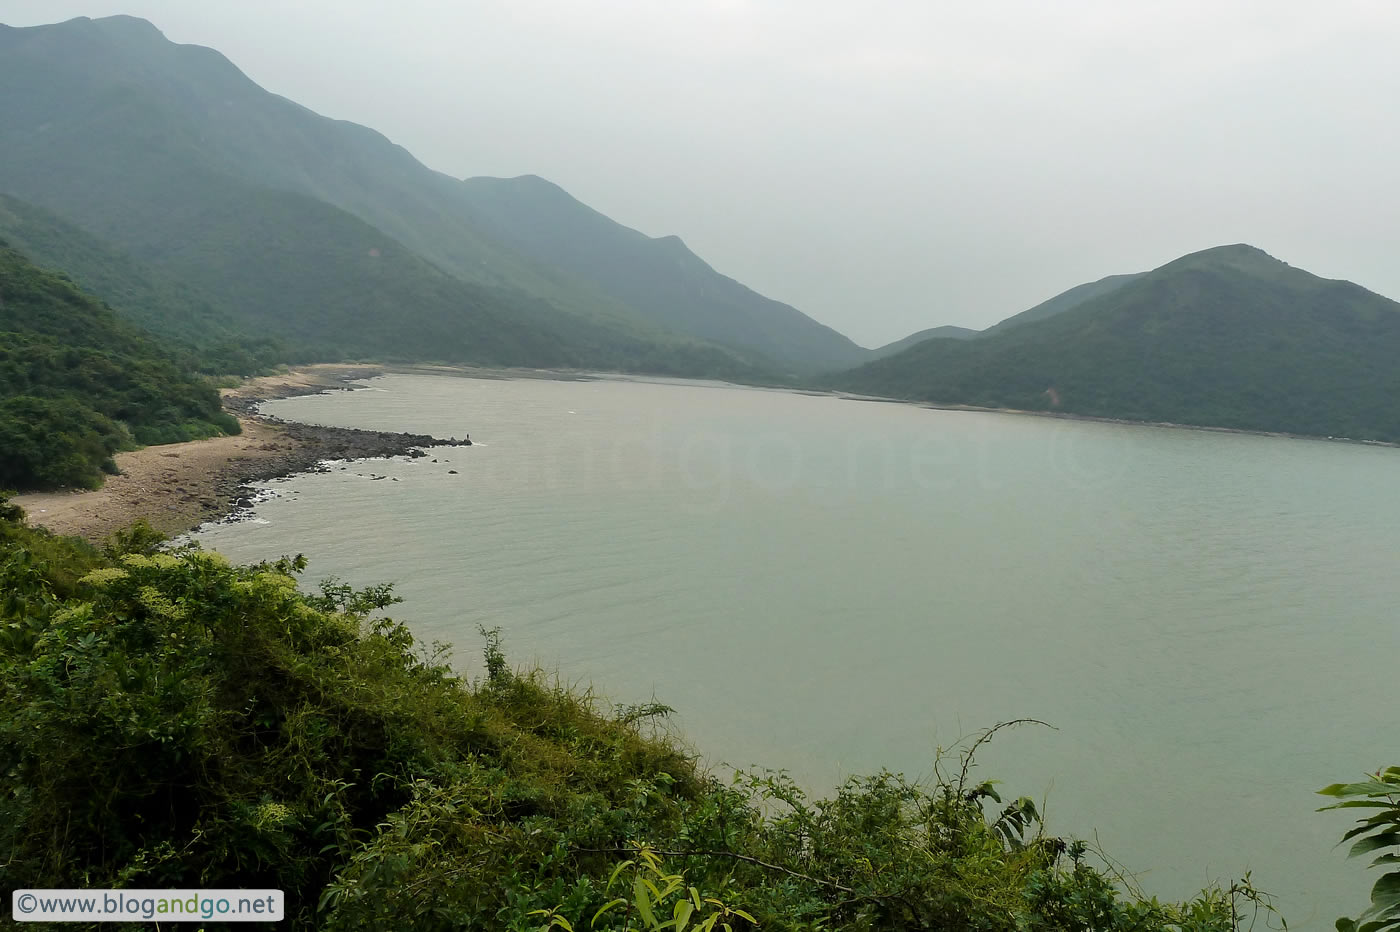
(884, 166)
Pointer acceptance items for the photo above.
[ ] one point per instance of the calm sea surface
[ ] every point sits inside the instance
(828, 586)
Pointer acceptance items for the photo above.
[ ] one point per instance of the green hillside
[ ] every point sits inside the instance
(322, 279)
(662, 276)
(147, 296)
(77, 384)
(164, 151)
(1066, 300)
(1228, 337)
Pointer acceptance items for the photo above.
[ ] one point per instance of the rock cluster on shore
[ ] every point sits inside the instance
(309, 447)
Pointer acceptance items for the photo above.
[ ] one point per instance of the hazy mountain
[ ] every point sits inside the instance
(153, 146)
(946, 332)
(77, 383)
(318, 277)
(1227, 337)
(661, 275)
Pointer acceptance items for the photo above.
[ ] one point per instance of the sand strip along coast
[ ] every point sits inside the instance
(179, 486)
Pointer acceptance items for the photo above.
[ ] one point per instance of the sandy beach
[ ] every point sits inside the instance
(176, 487)
(173, 487)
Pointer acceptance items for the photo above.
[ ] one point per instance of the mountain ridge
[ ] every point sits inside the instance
(1223, 337)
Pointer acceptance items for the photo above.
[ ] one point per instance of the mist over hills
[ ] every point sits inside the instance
(302, 223)
(1225, 337)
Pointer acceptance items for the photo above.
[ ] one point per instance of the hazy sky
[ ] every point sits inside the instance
(884, 166)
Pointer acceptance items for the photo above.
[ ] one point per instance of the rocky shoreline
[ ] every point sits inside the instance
(183, 486)
(310, 446)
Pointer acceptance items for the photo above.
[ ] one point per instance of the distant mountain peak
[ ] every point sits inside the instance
(1233, 250)
(531, 185)
(121, 23)
(671, 241)
(529, 181)
(1238, 255)
(1241, 259)
(1236, 252)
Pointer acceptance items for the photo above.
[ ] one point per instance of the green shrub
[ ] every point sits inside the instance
(53, 443)
(1377, 833)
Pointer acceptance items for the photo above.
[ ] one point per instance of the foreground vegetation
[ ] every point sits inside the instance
(77, 384)
(170, 720)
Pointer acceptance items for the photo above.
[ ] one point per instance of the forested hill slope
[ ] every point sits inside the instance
(1064, 301)
(78, 384)
(1227, 337)
(147, 143)
(167, 307)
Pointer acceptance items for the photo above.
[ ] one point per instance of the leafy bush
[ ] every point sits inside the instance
(9, 511)
(1378, 831)
(49, 443)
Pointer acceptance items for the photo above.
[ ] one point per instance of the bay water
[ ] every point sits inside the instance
(830, 586)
